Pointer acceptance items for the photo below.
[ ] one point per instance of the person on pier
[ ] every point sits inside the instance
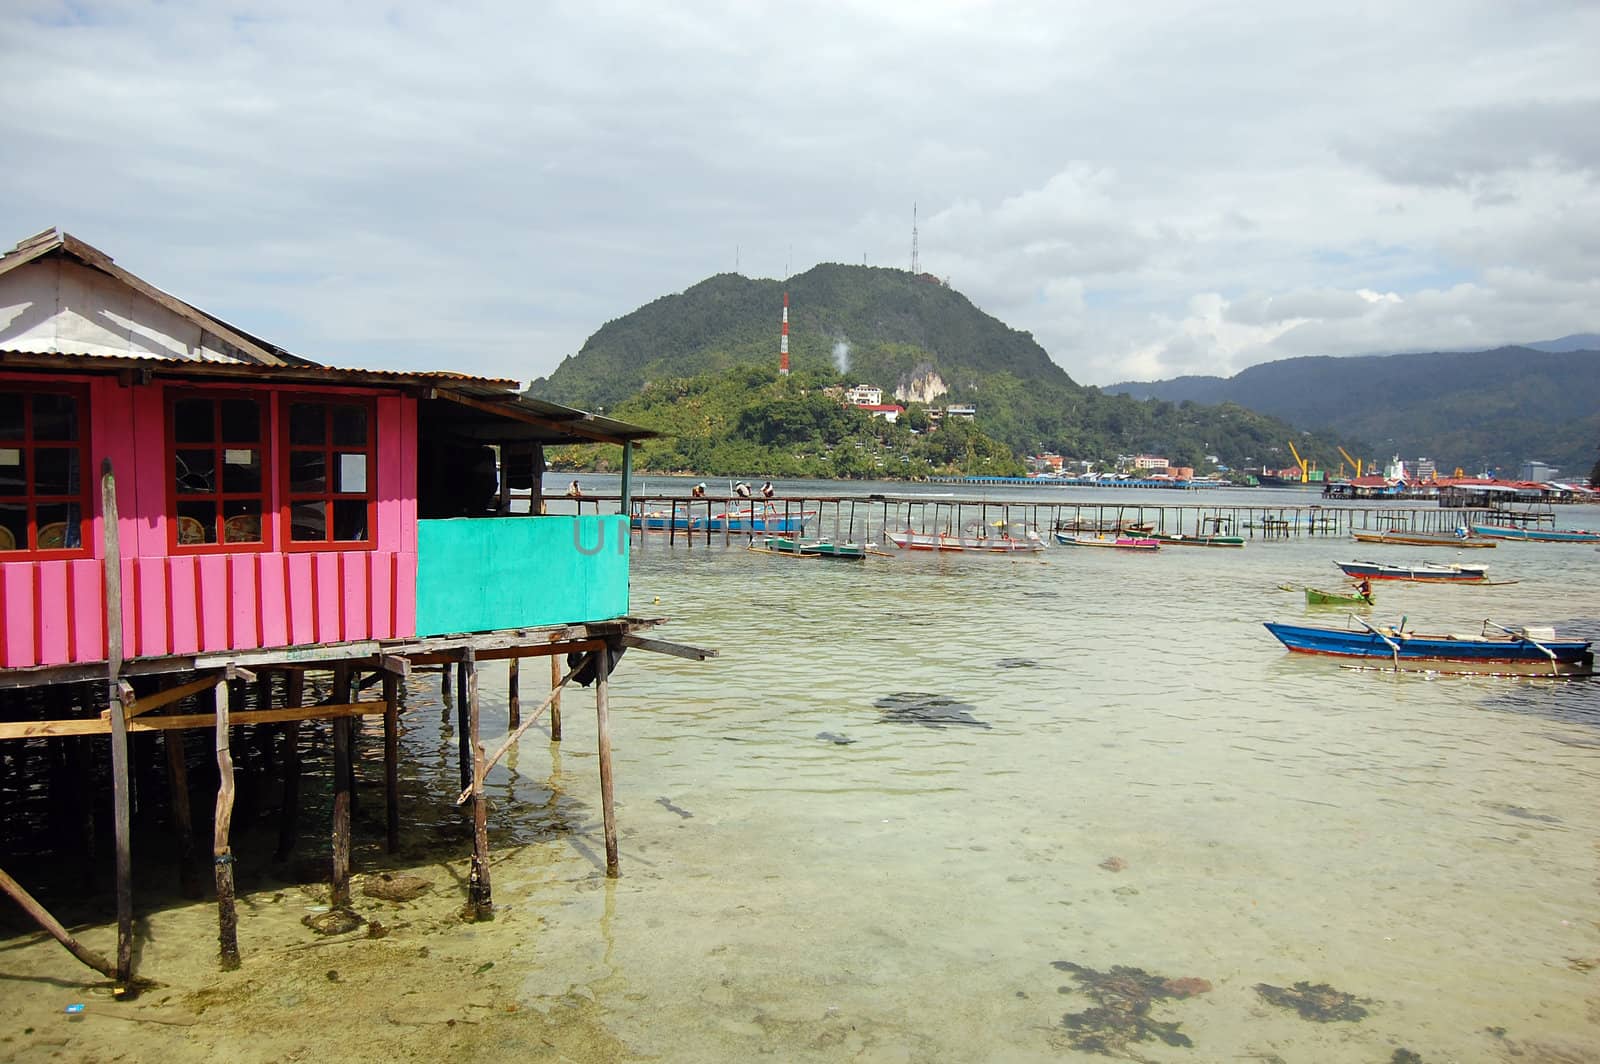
(767, 490)
(698, 491)
(573, 491)
(742, 490)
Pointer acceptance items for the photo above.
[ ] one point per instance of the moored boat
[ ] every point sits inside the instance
(1529, 651)
(1428, 572)
(1001, 543)
(1317, 597)
(1068, 539)
(1185, 539)
(1402, 537)
(1538, 535)
(816, 548)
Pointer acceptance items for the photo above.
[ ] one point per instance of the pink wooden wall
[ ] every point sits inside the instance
(53, 612)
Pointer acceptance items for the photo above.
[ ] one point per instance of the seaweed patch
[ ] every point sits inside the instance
(1319, 1002)
(1121, 1016)
(931, 711)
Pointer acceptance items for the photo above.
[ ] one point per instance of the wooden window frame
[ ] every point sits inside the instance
(169, 459)
(288, 497)
(87, 484)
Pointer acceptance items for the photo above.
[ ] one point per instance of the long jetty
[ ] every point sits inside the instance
(675, 519)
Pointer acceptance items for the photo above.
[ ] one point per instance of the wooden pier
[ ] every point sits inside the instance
(693, 522)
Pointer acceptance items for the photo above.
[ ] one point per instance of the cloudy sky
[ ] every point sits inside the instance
(1150, 188)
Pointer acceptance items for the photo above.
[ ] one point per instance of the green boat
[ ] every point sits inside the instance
(1181, 539)
(1316, 597)
(815, 548)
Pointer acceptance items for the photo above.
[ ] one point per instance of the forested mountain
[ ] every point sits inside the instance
(670, 365)
(1495, 408)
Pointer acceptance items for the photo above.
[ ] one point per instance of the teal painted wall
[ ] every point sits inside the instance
(484, 574)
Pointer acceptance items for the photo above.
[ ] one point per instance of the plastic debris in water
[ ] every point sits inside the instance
(75, 1009)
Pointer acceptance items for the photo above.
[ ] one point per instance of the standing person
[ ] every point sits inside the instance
(767, 490)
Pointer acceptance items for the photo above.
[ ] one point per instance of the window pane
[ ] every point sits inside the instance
(13, 471)
(55, 417)
(307, 472)
(13, 526)
(241, 469)
(197, 522)
(11, 417)
(196, 472)
(349, 519)
(309, 522)
(349, 426)
(55, 471)
(242, 523)
(306, 424)
(352, 473)
(241, 421)
(192, 421)
(59, 527)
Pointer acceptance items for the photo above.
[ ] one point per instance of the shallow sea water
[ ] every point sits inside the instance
(1122, 768)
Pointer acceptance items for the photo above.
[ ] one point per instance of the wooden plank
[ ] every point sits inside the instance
(164, 698)
(97, 726)
(661, 646)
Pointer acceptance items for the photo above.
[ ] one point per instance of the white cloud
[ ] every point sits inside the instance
(1149, 189)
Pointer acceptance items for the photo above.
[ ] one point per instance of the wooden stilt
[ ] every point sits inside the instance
(43, 918)
(222, 854)
(555, 703)
(479, 897)
(391, 758)
(182, 819)
(463, 739)
(116, 695)
(294, 686)
(607, 808)
(444, 684)
(340, 895)
(513, 696)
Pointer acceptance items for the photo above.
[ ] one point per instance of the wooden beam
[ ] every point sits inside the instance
(221, 851)
(42, 917)
(118, 724)
(661, 646)
(97, 726)
(165, 698)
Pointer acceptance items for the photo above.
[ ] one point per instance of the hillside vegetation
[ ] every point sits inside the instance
(701, 366)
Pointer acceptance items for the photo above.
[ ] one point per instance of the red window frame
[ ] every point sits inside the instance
(219, 498)
(329, 450)
(28, 444)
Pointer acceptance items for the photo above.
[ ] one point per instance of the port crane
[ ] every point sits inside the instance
(1305, 466)
(1355, 462)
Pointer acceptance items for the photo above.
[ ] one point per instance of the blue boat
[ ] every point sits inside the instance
(1529, 651)
(1538, 535)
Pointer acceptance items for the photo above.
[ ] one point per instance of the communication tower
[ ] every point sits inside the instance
(783, 340)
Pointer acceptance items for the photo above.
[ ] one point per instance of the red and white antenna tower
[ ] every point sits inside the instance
(783, 341)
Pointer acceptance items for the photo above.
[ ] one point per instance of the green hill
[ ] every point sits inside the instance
(701, 365)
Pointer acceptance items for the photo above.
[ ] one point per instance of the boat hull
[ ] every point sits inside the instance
(1440, 652)
(1422, 539)
(1180, 539)
(1538, 535)
(1118, 543)
(842, 552)
(1443, 574)
(965, 544)
(1318, 597)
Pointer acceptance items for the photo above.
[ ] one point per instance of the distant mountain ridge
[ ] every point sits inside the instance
(1496, 408)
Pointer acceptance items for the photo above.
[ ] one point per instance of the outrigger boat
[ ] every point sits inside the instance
(1067, 539)
(816, 548)
(1495, 649)
(1428, 573)
(1184, 539)
(1538, 535)
(1317, 597)
(1420, 539)
(1003, 543)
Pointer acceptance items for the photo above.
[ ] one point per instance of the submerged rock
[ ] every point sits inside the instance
(928, 710)
(1319, 1002)
(395, 886)
(1123, 998)
(333, 922)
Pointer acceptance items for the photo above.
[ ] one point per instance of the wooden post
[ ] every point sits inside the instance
(479, 899)
(555, 705)
(391, 758)
(463, 739)
(603, 723)
(340, 894)
(294, 686)
(513, 696)
(222, 854)
(43, 918)
(444, 684)
(119, 722)
(182, 819)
